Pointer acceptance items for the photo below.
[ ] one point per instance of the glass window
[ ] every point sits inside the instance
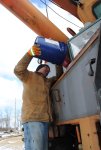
(97, 9)
(78, 42)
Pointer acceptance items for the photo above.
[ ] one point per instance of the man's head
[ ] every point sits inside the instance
(44, 69)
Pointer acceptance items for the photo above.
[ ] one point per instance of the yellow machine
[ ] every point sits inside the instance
(74, 103)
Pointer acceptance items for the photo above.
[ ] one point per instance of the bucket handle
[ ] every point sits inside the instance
(39, 61)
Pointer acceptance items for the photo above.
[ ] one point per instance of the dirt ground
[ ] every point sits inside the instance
(12, 143)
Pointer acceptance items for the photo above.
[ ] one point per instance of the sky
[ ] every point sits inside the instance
(15, 40)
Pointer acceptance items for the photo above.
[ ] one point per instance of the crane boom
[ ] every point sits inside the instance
(34, 19)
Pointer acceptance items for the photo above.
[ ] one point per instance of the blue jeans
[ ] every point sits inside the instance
(36, 135)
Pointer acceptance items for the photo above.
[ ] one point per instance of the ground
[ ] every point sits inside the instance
(12, 143)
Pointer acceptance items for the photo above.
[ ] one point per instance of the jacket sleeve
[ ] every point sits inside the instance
(20, 69)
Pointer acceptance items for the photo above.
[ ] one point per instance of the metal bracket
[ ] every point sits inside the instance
(56, 95)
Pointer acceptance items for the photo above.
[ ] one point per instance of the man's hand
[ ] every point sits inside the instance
(34, 51)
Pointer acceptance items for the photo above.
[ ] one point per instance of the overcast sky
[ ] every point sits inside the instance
(15, 40)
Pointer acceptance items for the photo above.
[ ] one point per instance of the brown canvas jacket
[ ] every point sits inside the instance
(36, 100)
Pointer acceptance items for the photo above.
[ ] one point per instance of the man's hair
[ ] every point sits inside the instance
(41, 66)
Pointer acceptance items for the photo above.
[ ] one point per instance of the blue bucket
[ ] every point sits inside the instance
(51, 51)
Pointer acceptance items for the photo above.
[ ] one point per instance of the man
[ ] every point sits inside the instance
(36, 111)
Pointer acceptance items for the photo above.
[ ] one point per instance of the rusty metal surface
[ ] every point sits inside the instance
(67, 5)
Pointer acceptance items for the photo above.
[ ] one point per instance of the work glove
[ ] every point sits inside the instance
(34, 51)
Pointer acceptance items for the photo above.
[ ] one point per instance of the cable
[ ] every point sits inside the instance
(46, 9)
(60, 15)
